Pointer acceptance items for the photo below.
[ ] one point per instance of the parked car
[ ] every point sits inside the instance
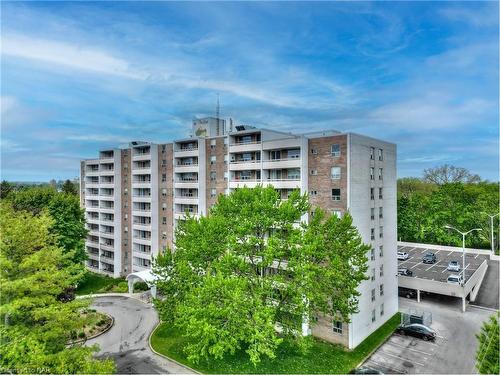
(402, 255)
(455, 279)
(366, 370)
(406, 292)
(429, 258)
(405, 272)
(417, 330)
(453, 266)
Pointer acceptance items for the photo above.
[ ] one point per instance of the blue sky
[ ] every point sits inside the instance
(77, 77)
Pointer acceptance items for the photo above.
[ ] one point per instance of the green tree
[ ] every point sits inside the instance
(248, 266)
(5, 188)
(69, 187)
(69, 219)
(487, 355)
(35, 321)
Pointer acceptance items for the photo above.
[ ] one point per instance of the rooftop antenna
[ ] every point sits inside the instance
(217, 114)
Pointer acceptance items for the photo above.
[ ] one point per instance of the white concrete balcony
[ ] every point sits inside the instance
(142, 241)
(186, 168)
(141, 157)
(94, 256)
(283, 183)
(104, 234)
(186, 153)
(106, 197)
(92, 220)
(281, 163)
(92, 185)
(141, 184)
(105, 270)
(107, 210)
(89, 172)
(107, 159)
(93, 232)
(245, 147)
(251, 183)
(137, 268)
(244, 165)
(137, 212)
(91, 196)
(141, 170)
(141, 226)
(91, 208)
(186, 184)
(185, 200)
(141, 198)
(91, 243)
(107, 172)
(285, 143)
(111, 223)
(141, 254)
(107, 257)
(106, 185)
(106, 247)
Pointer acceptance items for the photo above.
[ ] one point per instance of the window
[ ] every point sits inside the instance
(381, 232)
(335, 150)
(125, 229)
(372, 213)
(294, 154)
(336, 194)
(380, 154)
(163, 148)
(213, 158)
(372, 254)
(163, 192)
(335, 173)
(213, 176)
(381, 289)
(372, 172)
(337, 213)
(372, 193)
(225, 158)
(380, 195)
(381, 309)
(373, 316)
(126, 216)
(337, 326)
(314, 172)
(380, 212)
(373, 295)
(313, 193)
(163, 206)
(164, 220)
(380, 173)
(225, 176)
(164, 162)
(381, 270)
(381, 251)
(294, 174)
(213, 192)
(163, 177)
(372, 153)
(314, 151)
(372, 233)
(212, 144)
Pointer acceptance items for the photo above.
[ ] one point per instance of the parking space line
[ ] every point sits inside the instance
(393, 369)
(476, 256)
(423, 251)
(450, 253)
(403, 358)
(405, 260)
(416, 264)
(405, 347)
(435, 264)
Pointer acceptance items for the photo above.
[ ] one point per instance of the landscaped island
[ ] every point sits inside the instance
(322, 357)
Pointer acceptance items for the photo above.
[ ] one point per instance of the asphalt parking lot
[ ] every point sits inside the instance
(453, 352)
(438, 271)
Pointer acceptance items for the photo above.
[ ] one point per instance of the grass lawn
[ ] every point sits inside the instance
(322, 358)
(95, 283)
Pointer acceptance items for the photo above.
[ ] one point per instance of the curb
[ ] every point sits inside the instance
(97, 334)
(164, 356)
(483, 307)
(126, 295)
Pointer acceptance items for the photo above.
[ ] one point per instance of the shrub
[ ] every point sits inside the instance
(140, 286)
(81, 335)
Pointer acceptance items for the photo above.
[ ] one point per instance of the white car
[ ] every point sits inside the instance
(453, 266)
(455, 279)
(402, 255)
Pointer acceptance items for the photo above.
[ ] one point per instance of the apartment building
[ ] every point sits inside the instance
(134, 196)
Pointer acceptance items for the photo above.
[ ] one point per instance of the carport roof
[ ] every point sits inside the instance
(147, 276)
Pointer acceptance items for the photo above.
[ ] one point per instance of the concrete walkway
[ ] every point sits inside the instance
(127, 342)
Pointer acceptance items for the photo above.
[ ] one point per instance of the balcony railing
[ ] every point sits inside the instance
(244, 161)
(241, 143)
(186, 180)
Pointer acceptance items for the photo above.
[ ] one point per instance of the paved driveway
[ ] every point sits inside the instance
(453, 352)
(127, 341)
(489, 295)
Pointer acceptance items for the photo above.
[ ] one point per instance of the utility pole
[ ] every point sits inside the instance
(492, 233)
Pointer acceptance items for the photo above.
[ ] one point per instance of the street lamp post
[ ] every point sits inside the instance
(492, 233)
(463, 258)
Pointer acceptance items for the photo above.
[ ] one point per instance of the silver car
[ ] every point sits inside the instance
(453, 266)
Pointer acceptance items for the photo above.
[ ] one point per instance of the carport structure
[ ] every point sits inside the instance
(147, 276)
(433, 277)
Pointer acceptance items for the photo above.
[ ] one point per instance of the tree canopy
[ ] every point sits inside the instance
(487, 355)
(446, 174)
(35, 319)
(250, 265)
(69, 220)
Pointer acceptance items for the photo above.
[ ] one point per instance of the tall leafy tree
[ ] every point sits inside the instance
(487, 355)
(69, 219)
(35, 321)
(69, 187)
(250, 266)
(446, 174)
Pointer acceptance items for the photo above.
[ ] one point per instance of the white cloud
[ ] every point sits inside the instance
(479, 17)
(69, 55)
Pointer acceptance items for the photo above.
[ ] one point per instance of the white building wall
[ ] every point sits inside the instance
(155, 214)
(359, 205)
(117, 260)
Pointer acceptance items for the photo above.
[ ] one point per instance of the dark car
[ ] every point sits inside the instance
(417, 330)
(429, 258)
(405, 272)
(366, 370)
(406, 292)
